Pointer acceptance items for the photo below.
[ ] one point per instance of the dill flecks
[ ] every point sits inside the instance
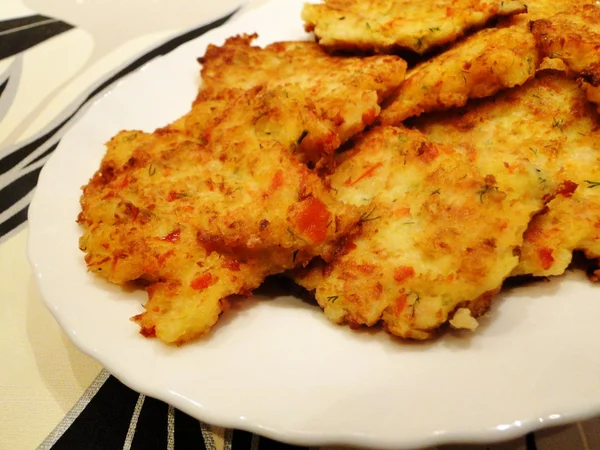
(592, 184)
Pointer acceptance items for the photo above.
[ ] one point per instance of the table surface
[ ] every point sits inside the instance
(43, 375)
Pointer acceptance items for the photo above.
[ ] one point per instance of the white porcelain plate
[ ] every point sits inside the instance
(277, 367)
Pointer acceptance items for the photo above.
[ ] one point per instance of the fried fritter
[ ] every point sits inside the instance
(129, 236)
(201, 220)
(480, 66)
(572, 219)
(549, 123)
(204, 114)
(389, 25)
(440, 236)
(347, 90)
(275, 204)
(571, 222)
(574, 37)
(543, 9)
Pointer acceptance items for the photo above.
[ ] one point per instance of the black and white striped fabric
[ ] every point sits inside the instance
(112, 416)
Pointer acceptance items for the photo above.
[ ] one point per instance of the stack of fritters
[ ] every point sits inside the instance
(405, 201)
(346, 90)
(481, 65)
(441, 234)
(208, 206)
(549, 123)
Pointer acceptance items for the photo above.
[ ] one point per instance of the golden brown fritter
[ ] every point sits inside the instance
(274, 203)
(347, 90)
(203, 114)
(571, 222)
(480, 66)
(543, 9)
(130, 235)
(574, 37)
(201, 220)
(314, 143)
(389, 25)
(549, 123)
(440, 236)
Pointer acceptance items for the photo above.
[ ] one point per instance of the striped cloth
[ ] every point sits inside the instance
(112, 416)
